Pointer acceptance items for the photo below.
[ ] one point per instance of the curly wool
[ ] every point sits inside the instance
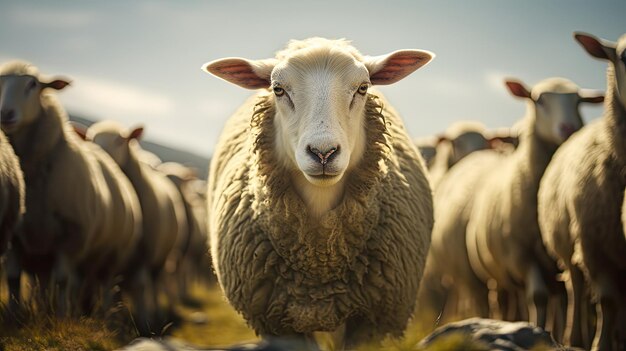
(361, 262)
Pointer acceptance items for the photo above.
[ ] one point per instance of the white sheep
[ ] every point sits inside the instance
(448, 276)
(320, 212)
(192, 251)
(12, 208)
(11, 193)
(72, 229)
(163, 211)
(503, 239)
(427, 147)
(580, 206)
(459, 140)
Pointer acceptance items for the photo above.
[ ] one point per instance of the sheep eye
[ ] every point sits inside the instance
(363, 89)
(31, 85)
(278, 91)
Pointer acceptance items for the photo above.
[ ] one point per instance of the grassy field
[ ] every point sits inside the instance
(210, 322)
(206, 321)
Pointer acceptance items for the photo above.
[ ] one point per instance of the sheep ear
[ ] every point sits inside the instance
(441, 138)
(80, 129)
(496, 141)
(597, 48)
(136, 133)
(591, 96)
(57, 83)
(390, 68)
(517, 88)
(247, 74)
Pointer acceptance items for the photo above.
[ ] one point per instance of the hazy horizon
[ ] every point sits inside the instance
(139, 62)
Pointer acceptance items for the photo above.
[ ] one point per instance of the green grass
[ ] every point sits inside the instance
(210, 323)
(223, 325)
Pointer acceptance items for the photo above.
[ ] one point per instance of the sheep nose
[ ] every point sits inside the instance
(325, 156)
(7, 116)
(567, 130)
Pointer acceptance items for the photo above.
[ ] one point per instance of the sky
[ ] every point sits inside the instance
(139, 61)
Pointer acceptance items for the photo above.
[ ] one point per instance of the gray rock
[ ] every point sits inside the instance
(495, 335)
(276, 344)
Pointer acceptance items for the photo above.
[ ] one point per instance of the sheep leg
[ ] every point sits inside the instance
(14, 273)
(339, 337)
(63, 281)
(478, 295)
(606, 314)
(431, 299)
(156, 283)
(139, 286)
(559, 308)
(88, 295)
(574, 321)
(536, 296)
(359, 331)
(505, 305)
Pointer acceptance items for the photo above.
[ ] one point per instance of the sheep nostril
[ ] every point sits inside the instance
(323, 157)
(7, 115)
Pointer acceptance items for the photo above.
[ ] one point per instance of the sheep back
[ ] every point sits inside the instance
(124, 224)
(163, 211)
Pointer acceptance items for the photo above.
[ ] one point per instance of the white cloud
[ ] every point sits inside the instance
(108, 99)
(51, 18)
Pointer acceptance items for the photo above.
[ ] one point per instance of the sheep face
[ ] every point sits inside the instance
(615, 53)
(467, 143)
(320, 101)
(113, 143)
(554, 105)
(320, 88)
(20, 99)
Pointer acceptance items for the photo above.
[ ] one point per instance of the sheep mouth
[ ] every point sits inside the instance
(323, 176)
(323, 179)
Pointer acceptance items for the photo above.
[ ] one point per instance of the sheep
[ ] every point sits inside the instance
(11, 193)
(12, 208)
(320, 212)
(427, 147)
(72, 228)
(580, 203)
(193, 250)
(161, 204)
(448, 276)
(459, 140)
(503, 239)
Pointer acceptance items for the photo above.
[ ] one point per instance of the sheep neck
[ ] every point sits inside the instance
(318, 200)
(534, 155)
(615, 116)
(132, 167)
(36, 143)
(539, 153)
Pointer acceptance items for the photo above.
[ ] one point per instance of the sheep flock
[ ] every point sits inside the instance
(321, 215)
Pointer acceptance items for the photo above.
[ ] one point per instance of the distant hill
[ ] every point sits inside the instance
(166, 153)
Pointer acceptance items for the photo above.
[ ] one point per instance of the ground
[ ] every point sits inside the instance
(206, 321)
